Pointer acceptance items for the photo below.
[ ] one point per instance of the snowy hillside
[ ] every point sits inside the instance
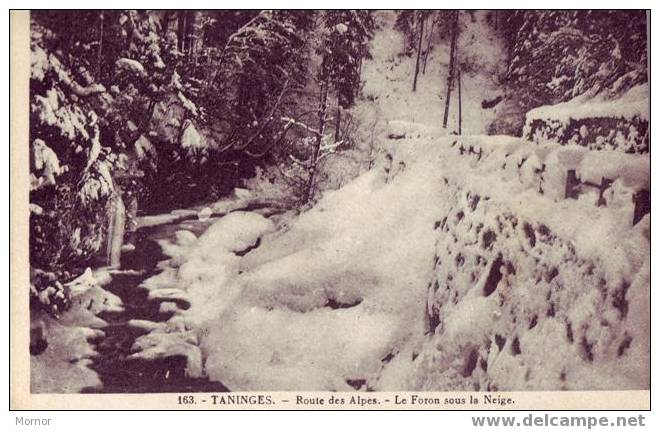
(388, 77)
(429, 259)
(456, 264)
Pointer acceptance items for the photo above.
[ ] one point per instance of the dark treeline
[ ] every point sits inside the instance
(164, 109)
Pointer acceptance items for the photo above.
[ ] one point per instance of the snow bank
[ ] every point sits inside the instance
(64, 366)
(464, 238)
(196, 279)
(619, 123)
(634, 103)
(330, 297)
(304, 293)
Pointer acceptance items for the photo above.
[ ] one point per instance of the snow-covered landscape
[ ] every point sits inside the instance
(506, 248)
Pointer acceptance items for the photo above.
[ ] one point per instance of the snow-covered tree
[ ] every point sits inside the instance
(93, 91)
(589, 50)
(345, 35)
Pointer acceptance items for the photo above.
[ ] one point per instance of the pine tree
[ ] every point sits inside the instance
(344, 44)
(591, 50)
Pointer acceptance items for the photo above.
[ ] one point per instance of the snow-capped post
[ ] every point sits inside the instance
(450, 77)
(420, 19)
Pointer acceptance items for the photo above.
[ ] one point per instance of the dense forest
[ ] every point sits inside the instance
(139, 113)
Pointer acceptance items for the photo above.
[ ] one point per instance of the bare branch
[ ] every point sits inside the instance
(269, 117)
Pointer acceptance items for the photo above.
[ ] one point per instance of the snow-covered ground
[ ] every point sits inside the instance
(454, 263)
(342, 297)
(388, 78)
(328, 299)
(64, 365)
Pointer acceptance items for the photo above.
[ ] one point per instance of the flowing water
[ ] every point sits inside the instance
(118, 372)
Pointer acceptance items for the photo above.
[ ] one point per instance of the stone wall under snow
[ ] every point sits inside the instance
(620, 124)
(530, 291)
(513, 306)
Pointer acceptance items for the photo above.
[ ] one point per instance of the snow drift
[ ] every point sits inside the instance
(455, 265)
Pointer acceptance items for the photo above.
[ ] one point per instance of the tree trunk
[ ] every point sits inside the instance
(419, 50)
(460, 117)
(99, 52)
(190, 28)
(428, 45)
(338, 122)
(319, 140)
(166, 22)
(181, 30)
(450, 78)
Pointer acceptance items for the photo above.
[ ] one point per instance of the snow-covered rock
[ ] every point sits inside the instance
(64, 365)
(204, 214)
(130, 65)
(191, 139)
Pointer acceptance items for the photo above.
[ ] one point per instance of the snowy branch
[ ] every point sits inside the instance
(292, 121)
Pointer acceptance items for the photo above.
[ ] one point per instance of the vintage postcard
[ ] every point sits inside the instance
(330, 209)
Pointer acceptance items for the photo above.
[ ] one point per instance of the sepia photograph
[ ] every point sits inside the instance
(337, 201)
